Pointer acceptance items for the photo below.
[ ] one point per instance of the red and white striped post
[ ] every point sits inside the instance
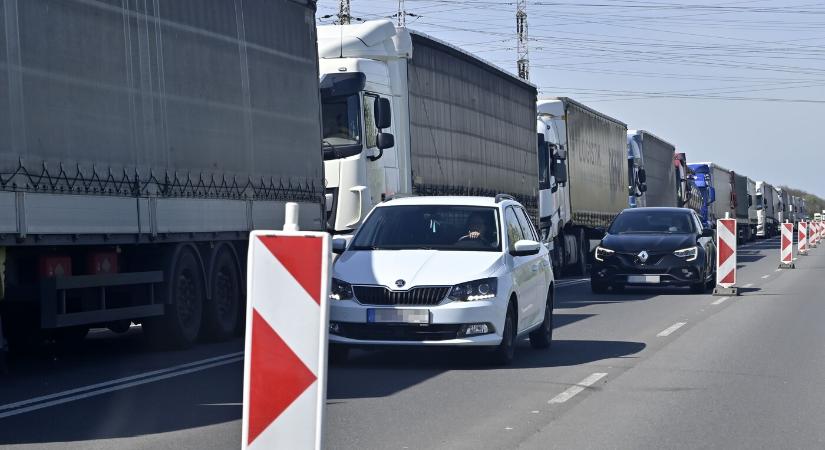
(814, 235)
(726, 257)
(285, 363)
(786, 247)
(802, 239)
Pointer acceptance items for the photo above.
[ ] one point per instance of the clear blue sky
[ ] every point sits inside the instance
(741, 83)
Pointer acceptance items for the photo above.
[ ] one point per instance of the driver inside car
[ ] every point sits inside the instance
(476, 228)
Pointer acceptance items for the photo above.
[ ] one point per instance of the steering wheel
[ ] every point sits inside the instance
(478, 239)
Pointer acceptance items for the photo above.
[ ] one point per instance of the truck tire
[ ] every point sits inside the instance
(582, 246)
(183, 291)
(558, 256)
(220, 312)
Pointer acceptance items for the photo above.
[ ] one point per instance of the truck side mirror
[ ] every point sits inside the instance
(382, 141)
(712, 194)
(383, 114)
(560, 171)
(750, 201)
(642, 176)
(643, 187)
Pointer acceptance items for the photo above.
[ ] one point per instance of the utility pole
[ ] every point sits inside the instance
(402, 14)
(343, 12)
(523, 61)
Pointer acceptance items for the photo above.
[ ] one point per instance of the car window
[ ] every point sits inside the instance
(437, 227)
(526, 225)
(514, 232)
(697, 223)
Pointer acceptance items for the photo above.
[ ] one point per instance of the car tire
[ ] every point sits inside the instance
(505, 351)
(542, 337)
(338, 354)
(598, 287)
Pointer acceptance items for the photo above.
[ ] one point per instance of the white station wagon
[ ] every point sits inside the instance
(442, 271)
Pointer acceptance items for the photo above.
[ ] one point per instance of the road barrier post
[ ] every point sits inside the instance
(726, 257)
(802, 239)
(814, 235)
(786, 247)
(285, 361)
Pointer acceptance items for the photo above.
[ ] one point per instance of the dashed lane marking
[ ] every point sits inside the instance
(720, 301)
(669, 330)
(573, 390)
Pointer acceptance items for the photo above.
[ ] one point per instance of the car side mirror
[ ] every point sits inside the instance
(339, 245)
(525, 247)
(383, 113)
(708, 232)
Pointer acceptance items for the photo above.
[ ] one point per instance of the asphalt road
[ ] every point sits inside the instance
(644, 369)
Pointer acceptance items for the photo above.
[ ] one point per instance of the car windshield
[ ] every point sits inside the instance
(666, 222)
(437, 227)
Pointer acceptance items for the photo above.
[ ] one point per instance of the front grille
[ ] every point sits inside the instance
(633, 259)
(380, 295)
(397, 332)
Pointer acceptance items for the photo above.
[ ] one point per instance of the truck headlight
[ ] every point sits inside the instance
(340, 290)
(602, 253)
(689, 254)
(474, 290)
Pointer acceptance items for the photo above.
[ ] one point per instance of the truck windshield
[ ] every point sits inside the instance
(665, 222)
(431, 227)
(341, 125)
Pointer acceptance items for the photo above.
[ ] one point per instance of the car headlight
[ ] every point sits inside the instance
(474, 290)
(340, 290)
(689, 253)
(602, 253)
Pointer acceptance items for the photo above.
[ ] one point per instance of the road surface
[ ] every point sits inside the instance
(643, 369)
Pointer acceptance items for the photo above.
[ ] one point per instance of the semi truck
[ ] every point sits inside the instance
(405, 113)
(766, 203)
(722, 192)
(139, 145)
(651, 171)
(783, 213)
(591, 181)
(753, 207)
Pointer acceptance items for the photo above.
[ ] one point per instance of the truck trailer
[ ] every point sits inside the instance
(405, 113)
(593, 178)
(753, 216)
(139, 145)
(655, 178)
(722, 192)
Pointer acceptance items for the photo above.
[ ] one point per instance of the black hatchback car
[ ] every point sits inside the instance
(655, 247)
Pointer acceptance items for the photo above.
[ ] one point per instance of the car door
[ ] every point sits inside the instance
(521, 271)
(538, 267)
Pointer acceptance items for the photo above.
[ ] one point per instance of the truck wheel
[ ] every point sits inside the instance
(220, 313)
(558, 257)
(184, 291)
(584, 252)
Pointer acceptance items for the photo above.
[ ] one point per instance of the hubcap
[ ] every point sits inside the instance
(186, 297)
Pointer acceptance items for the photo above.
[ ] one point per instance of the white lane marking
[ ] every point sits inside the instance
(765, 276)
(720, 301)
(748, 285)
(571, 283)
(778, 270)
(573, 390)
(667, 331)
(13, 409)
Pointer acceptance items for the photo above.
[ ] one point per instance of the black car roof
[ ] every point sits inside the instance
(657, 208)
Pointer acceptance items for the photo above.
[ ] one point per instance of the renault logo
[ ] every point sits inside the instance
(400, 283)
(643, 256)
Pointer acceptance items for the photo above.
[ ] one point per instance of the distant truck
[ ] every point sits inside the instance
(783, 212)
(722, 191)
(591, 178)
(138, 148)
(753, 215)
(405, 113)
(766, 203)
(651, 172)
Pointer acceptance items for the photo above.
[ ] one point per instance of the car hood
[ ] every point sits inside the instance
(416, 267)
(649, 242)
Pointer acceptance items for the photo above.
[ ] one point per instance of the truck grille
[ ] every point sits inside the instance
(380, 295)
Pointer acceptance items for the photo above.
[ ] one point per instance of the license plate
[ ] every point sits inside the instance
(391, 315)
(643, 279)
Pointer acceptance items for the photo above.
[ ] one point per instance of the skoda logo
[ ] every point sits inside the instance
(643, 256)
(400, 283)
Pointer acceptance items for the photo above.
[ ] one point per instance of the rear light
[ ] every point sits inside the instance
(102, 262)
(54, 266)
